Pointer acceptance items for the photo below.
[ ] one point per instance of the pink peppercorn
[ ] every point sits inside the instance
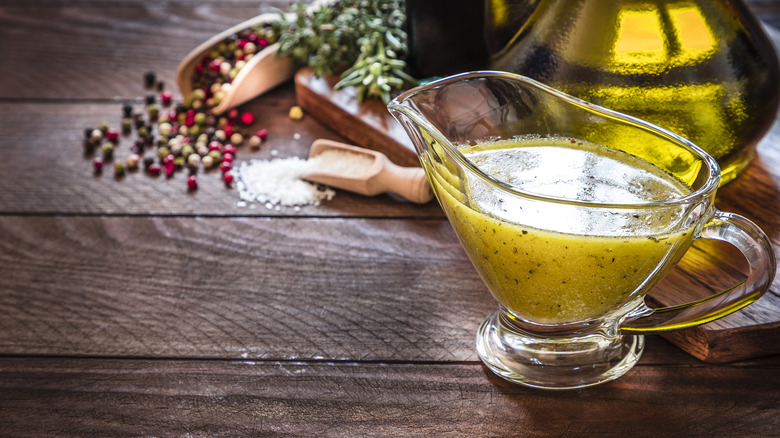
(227, 177)
(97, 163)
(154, 169)
(225, 166)
(262, 133)
(228, 158)
(229, 149)
(247, 119)
(228, 130)
(262, 42)
(112, 135)
(166, 97)
(192, 182)
(215, 146)
(233, 114)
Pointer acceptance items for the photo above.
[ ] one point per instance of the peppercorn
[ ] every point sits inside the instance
(127, 110)
(103, 126)
(119, 168)
(154, 169)
(112, 135)
(216, 156)
(262, 133)
(96, 135)
(154, 111)
(127, 126)
(227, 177)
(207, 161)
(163, 152)
(192, 182)
(143, 131)
(149, 79)
(132, 161)
(247, 119)
(193, 160)
(236, 138)
(108, 150)
(255, 142)
(296, 113)
(224, 166)
(97, 164)
(166, 97)
(148, 161)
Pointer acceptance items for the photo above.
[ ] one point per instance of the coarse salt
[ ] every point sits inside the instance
(278, 182)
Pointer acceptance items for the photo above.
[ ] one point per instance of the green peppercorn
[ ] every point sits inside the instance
(103, 126)
(119, 168)
(200, 118)
(143, 132)
(198, 94)
(108, 149)
(187, 150)
(153, 110)
(127, 126)
(216, 156)
(163, 152)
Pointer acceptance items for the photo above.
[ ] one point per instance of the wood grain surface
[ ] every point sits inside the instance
(132, 307)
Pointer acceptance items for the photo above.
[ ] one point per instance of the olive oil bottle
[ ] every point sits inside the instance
(704, 69)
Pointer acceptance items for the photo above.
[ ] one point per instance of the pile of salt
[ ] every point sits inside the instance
(277, 183)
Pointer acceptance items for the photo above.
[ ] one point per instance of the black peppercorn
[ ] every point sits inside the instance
(127, 110)
(149, 79)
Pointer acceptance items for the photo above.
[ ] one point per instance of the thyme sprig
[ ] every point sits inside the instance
(365, 37)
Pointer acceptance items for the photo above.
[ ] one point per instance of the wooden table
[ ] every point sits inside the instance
(132, 307)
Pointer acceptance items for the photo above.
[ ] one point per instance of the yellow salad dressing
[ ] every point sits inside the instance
(592, 262)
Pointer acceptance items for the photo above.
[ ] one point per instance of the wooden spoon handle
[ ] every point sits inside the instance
(408, 182)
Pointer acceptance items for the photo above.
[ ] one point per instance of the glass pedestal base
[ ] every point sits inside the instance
(565, 362)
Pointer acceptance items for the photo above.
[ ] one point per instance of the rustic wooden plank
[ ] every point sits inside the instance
(102, 49)
(238, 288)
(257, 288)
(44, 169)
(77, 397)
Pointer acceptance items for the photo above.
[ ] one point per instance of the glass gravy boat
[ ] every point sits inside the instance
(571, 213)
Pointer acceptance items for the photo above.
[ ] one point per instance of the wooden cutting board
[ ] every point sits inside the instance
(708, 267)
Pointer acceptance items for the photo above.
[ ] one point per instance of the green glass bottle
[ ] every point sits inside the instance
(704, 69)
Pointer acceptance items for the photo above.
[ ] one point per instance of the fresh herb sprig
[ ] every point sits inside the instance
(367, 38)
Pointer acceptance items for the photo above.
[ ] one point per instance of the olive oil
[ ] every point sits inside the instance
(702, 69)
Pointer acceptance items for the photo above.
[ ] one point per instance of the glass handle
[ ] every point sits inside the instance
(757, 249)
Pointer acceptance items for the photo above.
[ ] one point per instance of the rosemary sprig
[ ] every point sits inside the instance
(365, 37)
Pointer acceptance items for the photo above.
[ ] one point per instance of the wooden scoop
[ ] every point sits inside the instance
(379, 175)
(261, 73)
